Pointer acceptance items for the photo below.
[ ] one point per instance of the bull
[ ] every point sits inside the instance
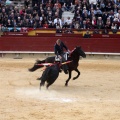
(50, 74)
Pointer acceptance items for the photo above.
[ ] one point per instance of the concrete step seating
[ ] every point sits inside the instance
(67, 14)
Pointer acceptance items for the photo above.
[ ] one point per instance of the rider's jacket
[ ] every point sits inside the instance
(58, 49)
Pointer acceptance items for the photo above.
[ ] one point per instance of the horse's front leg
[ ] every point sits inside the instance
(77, 74)
(66, 84)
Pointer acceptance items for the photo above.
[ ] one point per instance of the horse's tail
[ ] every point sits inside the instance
(36, 66)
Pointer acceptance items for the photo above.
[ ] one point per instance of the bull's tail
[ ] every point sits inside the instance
(35, 67)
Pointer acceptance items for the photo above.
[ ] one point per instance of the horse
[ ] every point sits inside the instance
(74, 57)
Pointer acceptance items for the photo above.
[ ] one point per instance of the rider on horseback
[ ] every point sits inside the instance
(58, 49)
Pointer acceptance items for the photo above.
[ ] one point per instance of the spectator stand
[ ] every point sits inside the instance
(88, 14)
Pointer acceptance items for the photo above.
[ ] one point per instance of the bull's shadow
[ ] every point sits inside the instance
(74, 56)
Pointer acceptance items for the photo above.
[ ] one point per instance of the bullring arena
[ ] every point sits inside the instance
(95, 95)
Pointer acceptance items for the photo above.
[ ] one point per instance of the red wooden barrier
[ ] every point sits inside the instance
(47, 43)
(105, 35)
(15, 34)
(58, 34)
(45, 34)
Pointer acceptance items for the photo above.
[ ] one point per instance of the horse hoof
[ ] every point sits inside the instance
(66, 85)
(74, 78)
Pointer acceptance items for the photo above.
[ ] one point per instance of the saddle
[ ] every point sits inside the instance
(65, 55)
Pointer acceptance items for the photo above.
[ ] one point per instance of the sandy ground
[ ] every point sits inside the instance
(95, 95)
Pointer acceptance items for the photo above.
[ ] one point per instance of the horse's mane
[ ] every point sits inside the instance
(72, 52)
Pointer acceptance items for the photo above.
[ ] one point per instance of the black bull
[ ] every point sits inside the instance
(74, 57)
(50, 74)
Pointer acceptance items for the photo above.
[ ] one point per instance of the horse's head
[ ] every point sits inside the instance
(79, 52)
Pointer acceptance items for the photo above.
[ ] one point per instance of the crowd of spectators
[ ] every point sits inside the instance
(104, 14)
(95, 14)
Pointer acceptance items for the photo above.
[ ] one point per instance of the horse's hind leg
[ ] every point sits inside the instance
(66, 84)
(48, 84)
(77, 75)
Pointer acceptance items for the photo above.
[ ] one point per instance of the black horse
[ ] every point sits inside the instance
(74, 57)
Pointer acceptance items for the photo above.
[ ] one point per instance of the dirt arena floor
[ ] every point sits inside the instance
(95, 95)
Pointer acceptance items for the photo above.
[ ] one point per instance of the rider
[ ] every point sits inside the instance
(58, 49)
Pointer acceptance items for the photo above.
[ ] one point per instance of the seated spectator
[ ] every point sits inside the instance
(57, 14)
(22, 11)
(69, 31)
(100, 26)
(49, 20)
(35, 7)
(87, 34)
(40, 25)
(92, 4)
(108, 23)
(26, 3)
(29, 10)
(14, 29)
(68, 21)
(52, 25)
(9, 23)
(114, 28)
(57, 4)
(105, 31)
(65, 25)
(77, 25)
(102, 5)
(58, 30)
(68, 6)
(89, 23)
(57, 20)
(58, 25)
(100, 23)
(98, 12)
(94, 22)
(49, 4)
(45, 25)
(6, 29)
(84, 25)
(2, 28)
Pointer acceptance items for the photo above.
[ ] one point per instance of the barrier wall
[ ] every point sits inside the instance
(109, 45)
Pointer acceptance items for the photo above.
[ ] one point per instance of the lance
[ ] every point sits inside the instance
(49, 64)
